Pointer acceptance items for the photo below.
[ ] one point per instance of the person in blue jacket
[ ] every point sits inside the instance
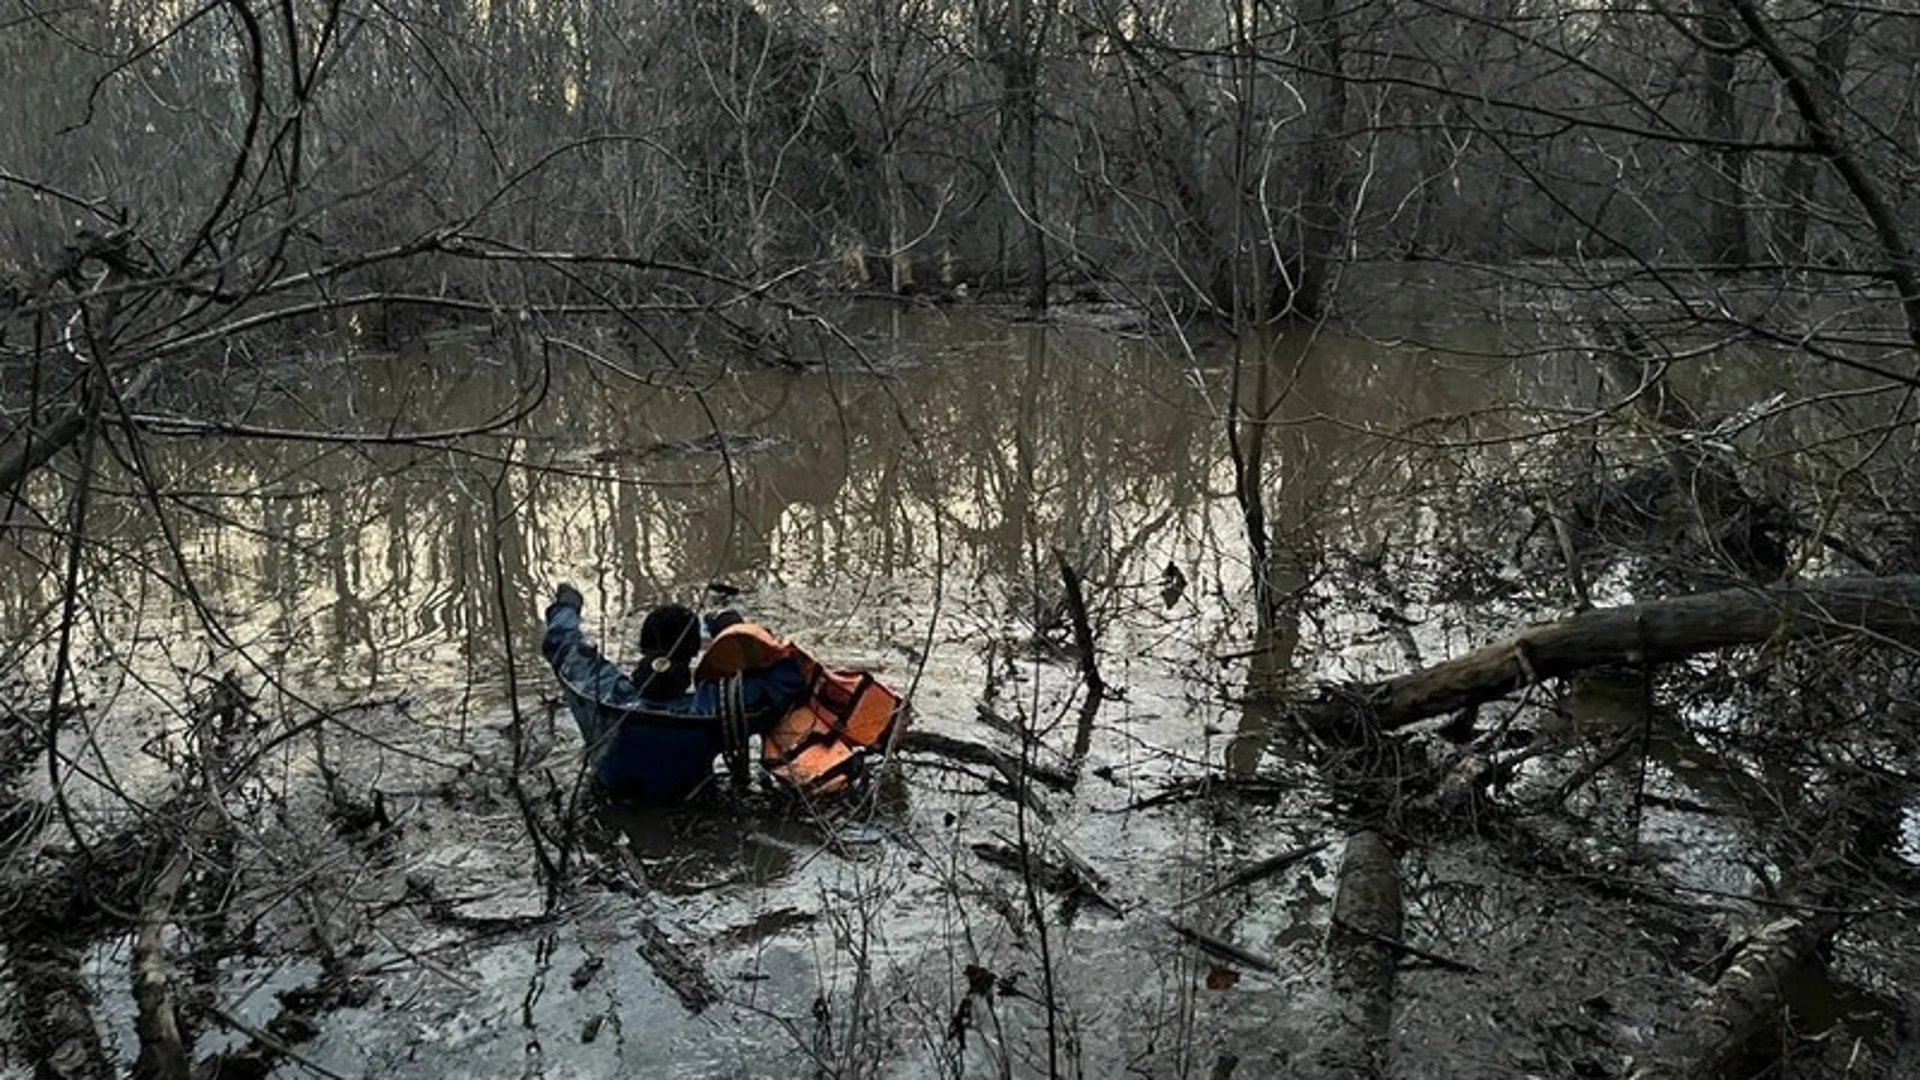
(652, 734)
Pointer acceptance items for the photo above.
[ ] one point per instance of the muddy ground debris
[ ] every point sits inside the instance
(1396, 799)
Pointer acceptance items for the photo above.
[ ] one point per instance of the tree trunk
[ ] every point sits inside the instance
(1727, 243)
(1822, 120)
(36, 447)
(164, 1053)
(1801, 180)
(1747, 1001)
(1323, 197)
(1742, 1003)
(1021, 75)
(31, 447)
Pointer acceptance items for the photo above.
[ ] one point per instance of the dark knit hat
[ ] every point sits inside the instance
(669, 640)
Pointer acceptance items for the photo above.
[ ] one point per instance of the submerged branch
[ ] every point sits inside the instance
(1076, 601)
(1223, 949)
(1011, 768)
(1253, 872)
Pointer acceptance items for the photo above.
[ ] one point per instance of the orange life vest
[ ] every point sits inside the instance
(821, 742)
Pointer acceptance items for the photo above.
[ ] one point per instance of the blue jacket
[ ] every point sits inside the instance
(652, 749)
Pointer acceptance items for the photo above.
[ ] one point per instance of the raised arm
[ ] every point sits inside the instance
(581, 668)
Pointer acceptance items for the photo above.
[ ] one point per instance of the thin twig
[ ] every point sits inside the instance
(1405, 949)
(278, 1046)
(1264, 868)
(1224, 949)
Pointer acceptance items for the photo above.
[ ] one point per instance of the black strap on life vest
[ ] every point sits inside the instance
(834, 702)
(852, 768)
(733, 728)
(805, 743)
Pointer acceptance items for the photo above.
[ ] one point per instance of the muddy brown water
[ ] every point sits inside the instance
(896, 511)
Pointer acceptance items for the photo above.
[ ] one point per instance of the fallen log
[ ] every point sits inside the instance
(50, 917)
(1657, 631)
(1363, 953)
(1750, 996)
(164, 1050)
(678, 968)
(1742, 1002)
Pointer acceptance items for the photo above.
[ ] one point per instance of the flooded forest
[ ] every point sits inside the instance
(1395, 521)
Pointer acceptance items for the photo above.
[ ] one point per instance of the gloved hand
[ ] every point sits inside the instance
(565, 596)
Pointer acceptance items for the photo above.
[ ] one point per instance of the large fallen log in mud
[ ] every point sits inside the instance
(1657, 631)
(164, 1050)
(1750, 998)
(1743, 1002)
(1367, 918)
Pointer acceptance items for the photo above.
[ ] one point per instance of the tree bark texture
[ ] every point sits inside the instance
(32, 447)
(166, 1050)
(1367, 916)
(1821, 118)
(36, 447)
(1022, 87)
(1741, 1003)
(1801, 179)
(1323, 202)
(164, 1054)
(1727, 243)
(1653, 632)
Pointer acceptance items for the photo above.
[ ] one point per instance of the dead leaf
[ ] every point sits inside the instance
(1221, 978)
